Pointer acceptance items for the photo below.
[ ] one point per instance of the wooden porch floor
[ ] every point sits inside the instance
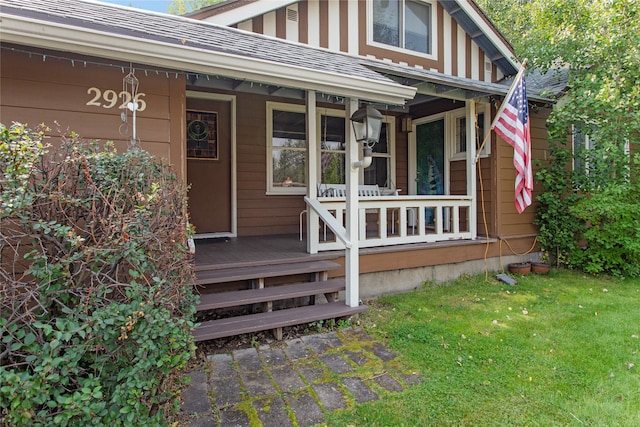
(254, 250)
(212, 254)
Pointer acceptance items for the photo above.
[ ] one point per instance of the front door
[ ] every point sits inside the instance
(430, 178)
(209, 172)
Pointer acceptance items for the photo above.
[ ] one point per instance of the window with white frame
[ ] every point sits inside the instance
(403, 24)
(382, 170)
(332, 152)
(286, 148)
(459, 134)
(332, 148)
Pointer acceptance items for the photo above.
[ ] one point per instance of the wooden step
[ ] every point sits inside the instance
(270, 293)
(263, 271)
(220, 328)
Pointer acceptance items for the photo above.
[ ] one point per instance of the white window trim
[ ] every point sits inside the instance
(433, 33)
(391, 155)
(280, 106)
(452, 136)
(413, 151)
(391, 142)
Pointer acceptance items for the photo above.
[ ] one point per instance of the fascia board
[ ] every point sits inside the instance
(246, 12)
(117, 47)
(488, 31)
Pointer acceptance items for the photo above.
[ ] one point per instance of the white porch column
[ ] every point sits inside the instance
(352, 269)
(470, 111)
(312, 173)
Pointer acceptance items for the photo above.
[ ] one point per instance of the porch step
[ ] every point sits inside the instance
(224, 275)
(271, 293)
(220, 328)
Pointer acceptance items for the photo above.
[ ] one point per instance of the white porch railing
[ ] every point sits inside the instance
(395, 220)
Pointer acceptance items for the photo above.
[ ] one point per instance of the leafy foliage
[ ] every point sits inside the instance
(180, 7)
(95, 283)
(596, 42)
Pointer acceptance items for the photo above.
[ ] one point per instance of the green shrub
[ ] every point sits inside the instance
(613, 233)
(560, 230)
(95, 284)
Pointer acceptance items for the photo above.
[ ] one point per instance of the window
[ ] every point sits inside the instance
(332, 152)
(287, 144)
(598, 160)
(287, 150)
(332, 145)
(405, 24)
(459, 137)
(380, 170)
(582, 143)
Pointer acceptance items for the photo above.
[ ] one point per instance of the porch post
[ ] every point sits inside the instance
(312, 173)
(351, 253)
(470, 111)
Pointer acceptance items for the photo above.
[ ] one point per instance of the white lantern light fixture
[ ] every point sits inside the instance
(367, 124)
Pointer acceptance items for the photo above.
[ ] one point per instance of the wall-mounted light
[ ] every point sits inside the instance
(407, 124)
(367, 123)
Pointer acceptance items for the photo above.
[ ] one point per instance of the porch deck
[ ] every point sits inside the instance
(247, 251)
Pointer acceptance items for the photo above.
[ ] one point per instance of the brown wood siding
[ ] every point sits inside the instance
(509, 222)
(439, 254)
(454, 47)
(324, 23)
(468, 45)
(303, 22)
(402, 158)
(281, 23)
(344, 26)
(458, 182)
(259, 213)
(440, 32)
(257, 25)
(56, 92)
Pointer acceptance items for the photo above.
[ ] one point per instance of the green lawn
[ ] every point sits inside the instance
(555, 350)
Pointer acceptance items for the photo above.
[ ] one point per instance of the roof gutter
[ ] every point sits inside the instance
(44, 34)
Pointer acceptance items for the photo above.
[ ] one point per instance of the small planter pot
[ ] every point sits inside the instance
(520, 268)
(540, 267)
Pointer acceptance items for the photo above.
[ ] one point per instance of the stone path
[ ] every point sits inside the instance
(293, 383)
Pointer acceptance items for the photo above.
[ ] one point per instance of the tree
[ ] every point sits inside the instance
(596, 43)
(180, 7)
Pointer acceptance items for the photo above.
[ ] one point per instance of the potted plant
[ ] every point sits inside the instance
(520, 267)
(541, 266)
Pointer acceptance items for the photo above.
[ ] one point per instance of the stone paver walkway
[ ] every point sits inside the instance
(293, 383)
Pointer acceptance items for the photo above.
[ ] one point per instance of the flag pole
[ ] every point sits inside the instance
(502, 106)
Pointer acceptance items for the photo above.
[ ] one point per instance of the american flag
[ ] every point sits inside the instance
(512, 124)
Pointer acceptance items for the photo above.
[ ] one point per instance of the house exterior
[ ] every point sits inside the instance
(250, 101)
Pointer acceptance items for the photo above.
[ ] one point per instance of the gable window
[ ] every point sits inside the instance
(287, 149)
(404, 24)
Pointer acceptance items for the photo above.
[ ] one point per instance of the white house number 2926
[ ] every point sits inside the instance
(110, 98)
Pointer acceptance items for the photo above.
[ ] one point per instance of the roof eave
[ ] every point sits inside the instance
(49, 35)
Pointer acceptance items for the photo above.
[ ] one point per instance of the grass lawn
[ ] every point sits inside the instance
(554, 350)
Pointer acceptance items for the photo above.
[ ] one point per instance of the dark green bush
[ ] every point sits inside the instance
(95, 284)
(613, 233)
